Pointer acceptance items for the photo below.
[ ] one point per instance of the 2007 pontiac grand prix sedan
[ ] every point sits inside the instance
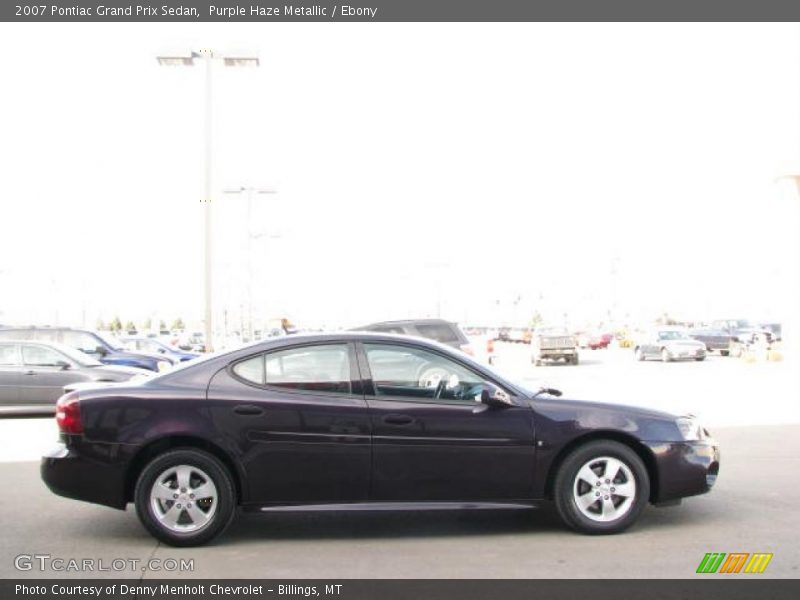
(360, 421)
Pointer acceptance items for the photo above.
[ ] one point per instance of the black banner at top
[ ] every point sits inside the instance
(398, 10)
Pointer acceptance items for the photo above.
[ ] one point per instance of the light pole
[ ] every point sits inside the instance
(207, 58)
(249, 192)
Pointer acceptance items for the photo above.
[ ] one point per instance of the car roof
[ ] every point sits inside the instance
(409, 322)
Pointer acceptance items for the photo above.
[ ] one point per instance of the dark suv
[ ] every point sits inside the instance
(439, 330)
(104, 348)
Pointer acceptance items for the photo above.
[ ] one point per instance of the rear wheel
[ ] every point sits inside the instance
(185, 497)
(601, 487)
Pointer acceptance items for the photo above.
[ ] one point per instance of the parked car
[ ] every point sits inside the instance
(363, 421)
(669, 345)
(439, 330)
(594, 341)
(105, 348)
(553, 343)
(36, 372)
(156, 346)
(743, 330)
(714, 340)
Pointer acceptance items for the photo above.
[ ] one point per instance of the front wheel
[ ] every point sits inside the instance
(601, 487)
(665, 357)
(185, 497)
(639, 354)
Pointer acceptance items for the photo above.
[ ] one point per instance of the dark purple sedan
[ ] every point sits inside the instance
(360, 421)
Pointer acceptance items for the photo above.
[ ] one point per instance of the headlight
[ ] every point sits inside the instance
(162, 366)
(690, 429)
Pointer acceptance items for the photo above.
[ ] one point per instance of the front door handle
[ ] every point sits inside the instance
(398, 419)
(30, 372)
(248, 410)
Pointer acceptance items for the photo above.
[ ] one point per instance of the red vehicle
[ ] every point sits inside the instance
(599, 341)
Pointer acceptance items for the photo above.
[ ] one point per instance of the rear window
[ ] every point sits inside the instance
(441, 332)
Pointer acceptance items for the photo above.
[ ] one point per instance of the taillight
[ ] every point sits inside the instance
(467, 349)
(68, 413)
(489, 346)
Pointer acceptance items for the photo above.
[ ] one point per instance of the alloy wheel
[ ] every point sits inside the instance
(604, 489)
(184, 499)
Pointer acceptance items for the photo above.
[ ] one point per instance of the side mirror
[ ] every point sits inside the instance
(63, 364)
(101, 350)
(495, 397)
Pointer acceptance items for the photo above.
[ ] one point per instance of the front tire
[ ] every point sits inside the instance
(185, 497)
(601, 488)
(639, 354)
(665, 357)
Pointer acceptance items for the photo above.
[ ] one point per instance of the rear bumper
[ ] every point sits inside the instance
(73, 476)
(685, 468)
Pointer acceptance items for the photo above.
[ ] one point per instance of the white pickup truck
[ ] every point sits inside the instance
(553, 343)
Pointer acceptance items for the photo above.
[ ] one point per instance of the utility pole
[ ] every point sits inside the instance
(206, 57)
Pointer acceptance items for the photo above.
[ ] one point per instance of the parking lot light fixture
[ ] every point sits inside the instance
(188, 59)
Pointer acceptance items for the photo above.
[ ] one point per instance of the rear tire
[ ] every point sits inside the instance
(185, 497)
(613, 505)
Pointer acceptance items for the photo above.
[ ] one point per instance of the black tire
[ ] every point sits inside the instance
(639, 353)
(665, 356)
(566, 479)
(724, 352)
(700, 358)
(225, 508)
(574, 360)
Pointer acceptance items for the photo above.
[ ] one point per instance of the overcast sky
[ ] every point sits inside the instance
(476, 171)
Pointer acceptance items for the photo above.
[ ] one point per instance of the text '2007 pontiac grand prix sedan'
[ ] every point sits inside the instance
(363, 421)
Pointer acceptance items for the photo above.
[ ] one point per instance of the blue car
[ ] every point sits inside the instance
(155, 346)
(105, 348)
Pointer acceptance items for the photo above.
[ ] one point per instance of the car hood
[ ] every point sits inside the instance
(581, 416)
(120, 371)
(686, 342)
(127, 354)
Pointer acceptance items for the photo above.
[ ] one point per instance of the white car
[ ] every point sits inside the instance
(669, 345)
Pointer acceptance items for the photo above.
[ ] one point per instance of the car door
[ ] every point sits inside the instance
(432, 441)
(9, 373)
(45, 372)
(300, 421)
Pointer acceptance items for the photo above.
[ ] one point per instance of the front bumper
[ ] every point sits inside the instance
(72, 475)
(688, 353)
(684, 468)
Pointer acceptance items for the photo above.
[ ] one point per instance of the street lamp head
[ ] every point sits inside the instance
(240, 61)
(176, 60)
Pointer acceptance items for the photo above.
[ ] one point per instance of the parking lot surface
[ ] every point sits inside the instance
(751, 409)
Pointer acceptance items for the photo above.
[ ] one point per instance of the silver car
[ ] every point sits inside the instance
(36, 372)
(669, 345)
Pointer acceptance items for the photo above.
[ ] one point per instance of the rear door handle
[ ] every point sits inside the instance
(248, 410)
(398, 419)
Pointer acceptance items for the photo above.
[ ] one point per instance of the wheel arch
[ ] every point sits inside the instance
(628, 440)
(170, 442)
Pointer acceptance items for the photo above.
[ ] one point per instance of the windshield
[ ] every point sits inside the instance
(109, 339)
(672, 335)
